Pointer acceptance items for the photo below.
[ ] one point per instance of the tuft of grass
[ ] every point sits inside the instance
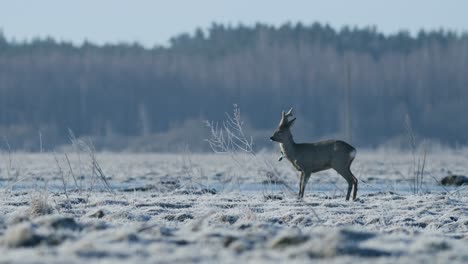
(418, 160)
(87, 147)
(40, 204)
(21, 235)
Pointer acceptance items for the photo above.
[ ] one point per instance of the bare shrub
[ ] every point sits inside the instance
(229, 138)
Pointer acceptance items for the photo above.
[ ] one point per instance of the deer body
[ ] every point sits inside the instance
(308, 158)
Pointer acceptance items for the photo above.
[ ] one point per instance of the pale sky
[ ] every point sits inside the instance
(154, 22)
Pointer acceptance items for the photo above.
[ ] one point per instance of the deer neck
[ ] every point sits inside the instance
(288, 147)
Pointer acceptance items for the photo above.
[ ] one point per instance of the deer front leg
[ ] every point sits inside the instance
(281, 157)
(301, 185)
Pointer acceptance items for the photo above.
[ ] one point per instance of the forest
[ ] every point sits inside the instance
(351, 83)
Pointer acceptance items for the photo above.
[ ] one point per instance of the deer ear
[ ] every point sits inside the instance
(283, 119)
(290, 123)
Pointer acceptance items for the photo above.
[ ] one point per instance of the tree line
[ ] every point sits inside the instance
(355, 79)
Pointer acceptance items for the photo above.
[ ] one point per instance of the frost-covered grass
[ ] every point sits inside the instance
(169, 208)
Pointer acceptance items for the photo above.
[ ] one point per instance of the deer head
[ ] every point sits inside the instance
(282, 133)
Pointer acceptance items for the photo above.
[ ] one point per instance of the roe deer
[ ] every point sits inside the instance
(313, 157)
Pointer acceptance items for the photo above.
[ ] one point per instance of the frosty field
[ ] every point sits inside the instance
(210, 208)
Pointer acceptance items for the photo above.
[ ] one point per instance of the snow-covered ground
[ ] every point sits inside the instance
(209, 208)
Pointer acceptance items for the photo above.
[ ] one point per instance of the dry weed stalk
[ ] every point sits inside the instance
(418, 162)
(88, 148)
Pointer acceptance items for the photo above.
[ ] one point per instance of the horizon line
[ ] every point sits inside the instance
(413, 34)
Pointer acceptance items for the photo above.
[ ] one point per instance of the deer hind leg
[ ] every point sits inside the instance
(346, 173)
(350, 187)
(355, 181)
(352, 182)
